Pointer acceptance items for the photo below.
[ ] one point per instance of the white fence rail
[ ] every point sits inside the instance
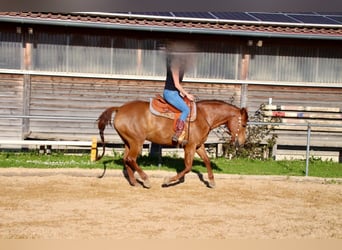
(45, 142)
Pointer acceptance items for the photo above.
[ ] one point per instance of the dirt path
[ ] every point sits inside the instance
(74, 204)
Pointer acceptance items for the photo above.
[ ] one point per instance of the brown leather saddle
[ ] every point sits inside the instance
(160, 107)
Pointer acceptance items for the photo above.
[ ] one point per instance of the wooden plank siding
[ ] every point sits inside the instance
(88, 97)
(292, 95)
(320, 118)
(330, 98)
(11, 103)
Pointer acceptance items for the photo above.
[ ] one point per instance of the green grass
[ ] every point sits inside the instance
(327, 169)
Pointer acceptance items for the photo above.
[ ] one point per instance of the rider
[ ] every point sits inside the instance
(176, 64)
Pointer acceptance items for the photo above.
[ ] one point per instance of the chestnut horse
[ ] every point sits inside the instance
(135, 123)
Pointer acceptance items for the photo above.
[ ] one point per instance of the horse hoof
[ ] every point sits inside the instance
(211, 184)
(133, 184)
(167, 181)
(146, 183)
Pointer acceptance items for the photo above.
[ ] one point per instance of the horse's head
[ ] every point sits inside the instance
(237, 127)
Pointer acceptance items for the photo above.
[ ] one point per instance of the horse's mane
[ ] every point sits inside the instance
(215, 101)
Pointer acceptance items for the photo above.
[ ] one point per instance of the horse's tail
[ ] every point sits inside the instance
(105, 119)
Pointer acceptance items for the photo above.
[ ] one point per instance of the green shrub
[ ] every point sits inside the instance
(259, 141)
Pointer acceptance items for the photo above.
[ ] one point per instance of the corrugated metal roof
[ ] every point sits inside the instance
(179, 24)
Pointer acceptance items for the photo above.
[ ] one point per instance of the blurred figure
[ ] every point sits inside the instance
(178, 62)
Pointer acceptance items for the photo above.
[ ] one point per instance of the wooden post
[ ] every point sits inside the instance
(27, 65)
(307, 150)
(139, 60)
(28, 56)
(245, 65)
(26, 106)
(244, 76)
(156, 151)
(93, 152)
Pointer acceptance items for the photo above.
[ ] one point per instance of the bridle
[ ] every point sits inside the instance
(239, 125)
(188, 134)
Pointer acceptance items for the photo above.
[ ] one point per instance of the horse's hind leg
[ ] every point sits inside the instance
(128, 169)
(130, 161)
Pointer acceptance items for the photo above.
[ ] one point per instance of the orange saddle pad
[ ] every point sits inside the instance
(160, 107)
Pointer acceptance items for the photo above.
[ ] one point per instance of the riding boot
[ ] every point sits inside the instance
(179, 131)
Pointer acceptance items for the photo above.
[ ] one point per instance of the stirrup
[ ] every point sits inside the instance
(180, 139)
(174, 138)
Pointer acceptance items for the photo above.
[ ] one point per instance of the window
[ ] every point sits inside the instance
(10, 50)
(114, 54)
(296, 64)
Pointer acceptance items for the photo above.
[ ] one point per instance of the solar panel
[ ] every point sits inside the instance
(329, 13)
(234, 16)
(315, 19)
(337, 18)
(278, 17)
(206, 15)
(304, 13)
(273, 17)
(162, 13)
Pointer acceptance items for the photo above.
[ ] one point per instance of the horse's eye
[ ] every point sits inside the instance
(244, 126)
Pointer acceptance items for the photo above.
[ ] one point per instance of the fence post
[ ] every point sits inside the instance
(93, 151)
(307, 150)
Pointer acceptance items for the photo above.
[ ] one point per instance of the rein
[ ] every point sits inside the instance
(189, 122)
(205, 118)
(238, 129)
(210, 127)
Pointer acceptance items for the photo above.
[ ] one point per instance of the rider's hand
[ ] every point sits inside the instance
(190, 97)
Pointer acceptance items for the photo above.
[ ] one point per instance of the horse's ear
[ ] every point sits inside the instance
(243, 110)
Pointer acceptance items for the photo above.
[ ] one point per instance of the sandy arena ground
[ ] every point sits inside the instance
(74, 204)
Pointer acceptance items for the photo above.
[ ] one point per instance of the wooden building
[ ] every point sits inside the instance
(59, 71)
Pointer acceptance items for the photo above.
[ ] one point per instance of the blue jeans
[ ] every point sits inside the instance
(173, 97)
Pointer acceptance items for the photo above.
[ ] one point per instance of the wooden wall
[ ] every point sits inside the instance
(292, 95)
(11, 103)
(299, 96)
(87, 98)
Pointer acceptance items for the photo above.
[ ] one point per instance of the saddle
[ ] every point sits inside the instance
(160, 107)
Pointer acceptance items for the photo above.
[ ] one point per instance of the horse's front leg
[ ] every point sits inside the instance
(188, 160)
(203, 154)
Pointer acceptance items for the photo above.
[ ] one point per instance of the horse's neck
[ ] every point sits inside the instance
(220, 115)
(219, 121)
